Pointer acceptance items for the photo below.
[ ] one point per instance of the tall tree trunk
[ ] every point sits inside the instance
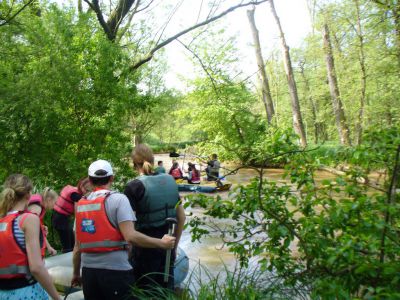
(297, 119)
(343, 129)
(361, 58)
(312, 103)
(138, 139)
(396, 15)
(266, 93)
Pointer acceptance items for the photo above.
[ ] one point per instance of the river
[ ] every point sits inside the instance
(208, 252)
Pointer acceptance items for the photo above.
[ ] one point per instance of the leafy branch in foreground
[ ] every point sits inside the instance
(329, 235)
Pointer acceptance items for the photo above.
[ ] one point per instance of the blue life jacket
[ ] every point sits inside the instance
(159, 202)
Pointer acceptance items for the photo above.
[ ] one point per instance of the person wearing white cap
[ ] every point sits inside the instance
(104, 229)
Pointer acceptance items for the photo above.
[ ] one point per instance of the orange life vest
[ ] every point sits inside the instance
(94, 231)
(64, 205)
(13, 259)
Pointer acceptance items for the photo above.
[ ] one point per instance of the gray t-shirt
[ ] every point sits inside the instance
(118, 210)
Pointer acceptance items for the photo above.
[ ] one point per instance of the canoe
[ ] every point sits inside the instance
(203, 188)
(197, 188)
(60, 269)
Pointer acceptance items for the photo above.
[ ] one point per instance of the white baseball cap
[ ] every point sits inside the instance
(100, 168)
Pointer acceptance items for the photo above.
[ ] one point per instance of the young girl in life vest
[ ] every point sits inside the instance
(194, 174)
(23, 273)
(175, 171)
(64, 209)
(39, 204)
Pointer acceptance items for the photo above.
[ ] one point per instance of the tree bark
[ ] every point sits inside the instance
(340, 118)
(361, 58)
(297, 119)
(265, 90)
(313, 105)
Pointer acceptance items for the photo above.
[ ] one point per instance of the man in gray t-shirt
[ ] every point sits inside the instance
(102, 236)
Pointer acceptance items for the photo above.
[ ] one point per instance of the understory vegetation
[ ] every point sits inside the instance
(339, 238)
(87, 80)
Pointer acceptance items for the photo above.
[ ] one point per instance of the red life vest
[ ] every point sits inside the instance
(176, 173)
(13, 259)
(94, 231)
(195, 176)
(64, 205)
(38, 199)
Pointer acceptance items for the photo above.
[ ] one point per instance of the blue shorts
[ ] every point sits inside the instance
(32, 292)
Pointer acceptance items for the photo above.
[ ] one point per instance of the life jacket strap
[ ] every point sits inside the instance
(14, 269)
(104, 244)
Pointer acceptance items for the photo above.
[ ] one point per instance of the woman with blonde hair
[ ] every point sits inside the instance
(39, 204)
(154, 197)
(22, 271)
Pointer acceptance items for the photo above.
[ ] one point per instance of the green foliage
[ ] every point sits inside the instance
(236, 284)
(62, 104)
(333, 236)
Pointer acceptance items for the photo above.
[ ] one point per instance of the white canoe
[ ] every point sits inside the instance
(60, 269)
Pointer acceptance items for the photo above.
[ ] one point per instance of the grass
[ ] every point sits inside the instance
(237, 284)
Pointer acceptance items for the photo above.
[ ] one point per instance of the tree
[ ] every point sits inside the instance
(296, 111)
(363, 76)
(61, 105)
(123, 8)
(10, 10)
(266, 93)
(343, 129)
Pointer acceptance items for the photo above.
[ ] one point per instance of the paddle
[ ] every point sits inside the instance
(171, 224)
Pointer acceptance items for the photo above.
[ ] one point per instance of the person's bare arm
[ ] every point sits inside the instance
(31, 228)
(180, 217)
(50, 249)
(139, 239)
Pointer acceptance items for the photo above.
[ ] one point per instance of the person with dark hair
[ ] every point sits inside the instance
(23, 273)
(153, 197)
(194, 174)
(104, 230)
(64, 210)
(176, 171)
(160, 168)
(213, 167)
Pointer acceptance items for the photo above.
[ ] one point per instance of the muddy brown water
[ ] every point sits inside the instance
(209, 251)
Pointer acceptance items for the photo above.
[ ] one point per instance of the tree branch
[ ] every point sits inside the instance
(8, 20)
(149, 56)
(96, 8)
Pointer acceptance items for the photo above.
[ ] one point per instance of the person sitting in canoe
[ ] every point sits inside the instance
(175, 171)
(160, 168)
(194, 174)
